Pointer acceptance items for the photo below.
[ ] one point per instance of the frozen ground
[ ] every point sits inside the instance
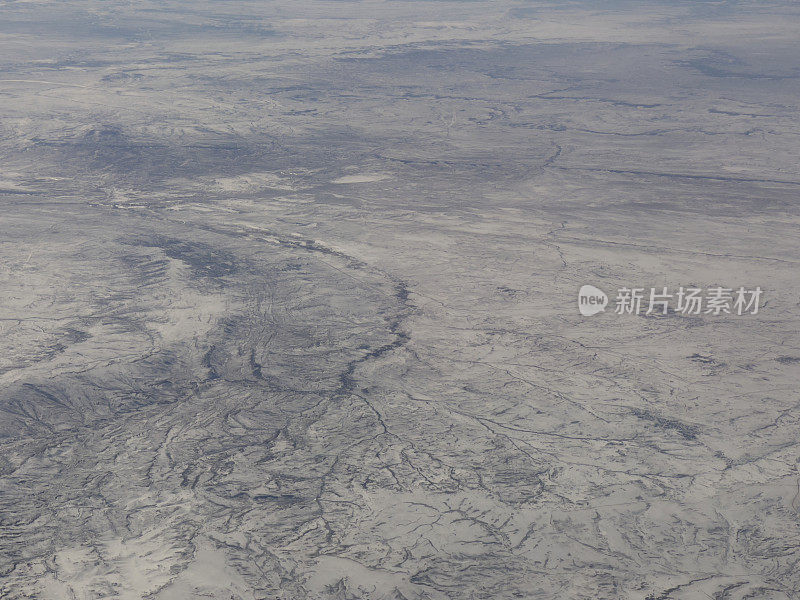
(288, 300)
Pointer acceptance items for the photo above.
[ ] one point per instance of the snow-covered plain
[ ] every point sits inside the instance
(288, 300)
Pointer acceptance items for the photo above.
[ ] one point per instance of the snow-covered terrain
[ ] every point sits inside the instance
(288, 300)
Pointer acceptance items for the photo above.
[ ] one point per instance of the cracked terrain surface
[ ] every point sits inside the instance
(288, 300)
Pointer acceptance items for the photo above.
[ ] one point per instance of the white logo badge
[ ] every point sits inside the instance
(591, 300)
